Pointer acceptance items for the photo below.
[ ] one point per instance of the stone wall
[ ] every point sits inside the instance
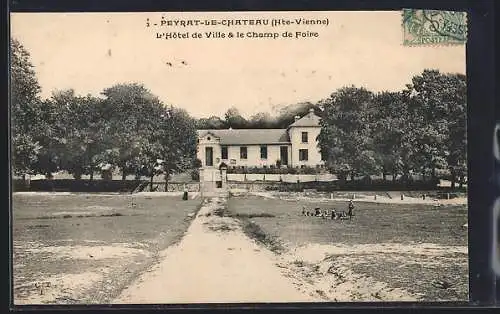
(254, 186)
(291, 178)
(174, 187)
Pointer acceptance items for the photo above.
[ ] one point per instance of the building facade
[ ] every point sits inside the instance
(295, 146)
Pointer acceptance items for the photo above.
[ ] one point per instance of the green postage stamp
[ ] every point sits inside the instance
(430, 27)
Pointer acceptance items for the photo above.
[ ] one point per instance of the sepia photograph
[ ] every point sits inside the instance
(238, 157)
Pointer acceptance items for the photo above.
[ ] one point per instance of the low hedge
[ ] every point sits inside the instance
(352, 186)
(71, 185)
(274, 170)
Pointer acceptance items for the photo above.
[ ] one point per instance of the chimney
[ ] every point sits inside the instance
(297, 118)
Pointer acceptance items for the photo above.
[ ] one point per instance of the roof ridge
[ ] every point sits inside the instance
(309, 119)
(248, 136)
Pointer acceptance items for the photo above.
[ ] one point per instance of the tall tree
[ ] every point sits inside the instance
(170, 147)
(132, 111)
(262, 120)
(345, 139)
(212, 122)
(390, 131)
(457, 129)
(438, 105)
(81, 132)
(178, 142)
(49, 155)
(234, 119)
(25, 110)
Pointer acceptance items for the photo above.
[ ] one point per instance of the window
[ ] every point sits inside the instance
(263, 152)
(243, 152)
(304, 137)
(224, 152)
(303, 155)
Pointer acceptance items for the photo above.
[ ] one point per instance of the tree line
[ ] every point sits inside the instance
(420, 129)
(128, 127)
(261, 120)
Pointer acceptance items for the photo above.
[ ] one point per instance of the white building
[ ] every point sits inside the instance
(295, 146)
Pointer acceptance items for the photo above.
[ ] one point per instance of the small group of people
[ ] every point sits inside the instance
(333, 214)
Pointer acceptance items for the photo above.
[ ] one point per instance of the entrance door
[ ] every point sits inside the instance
(209, 156)
(284, 155)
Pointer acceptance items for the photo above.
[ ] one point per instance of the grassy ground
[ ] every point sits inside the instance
(84, 248)
(413, 247)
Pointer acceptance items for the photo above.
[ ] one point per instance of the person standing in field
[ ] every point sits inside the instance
(350, 209)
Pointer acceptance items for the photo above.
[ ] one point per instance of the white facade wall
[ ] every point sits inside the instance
(204, 142)
(273, 151)
(314, 154)
(291, 178)
(253, 155)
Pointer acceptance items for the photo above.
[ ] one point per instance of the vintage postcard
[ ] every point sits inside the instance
(228, 157)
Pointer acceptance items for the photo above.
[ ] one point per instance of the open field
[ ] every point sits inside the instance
(147, 247)
(387, 252)
(85, 248)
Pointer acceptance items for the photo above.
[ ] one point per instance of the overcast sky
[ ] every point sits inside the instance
(91, 51)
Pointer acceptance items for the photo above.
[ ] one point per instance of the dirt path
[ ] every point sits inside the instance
(214, 262)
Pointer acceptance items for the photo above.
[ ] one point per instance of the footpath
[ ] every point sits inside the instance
(214, 262)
